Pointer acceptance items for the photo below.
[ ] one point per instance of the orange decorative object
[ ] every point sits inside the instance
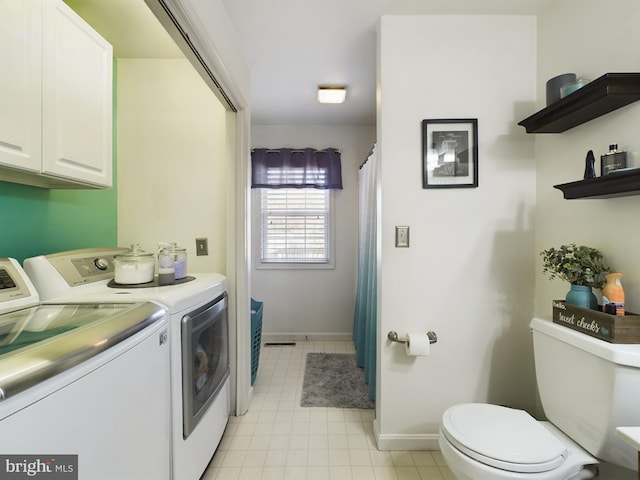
(613, 293)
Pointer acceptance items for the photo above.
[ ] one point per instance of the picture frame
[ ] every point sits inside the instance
(450, 153)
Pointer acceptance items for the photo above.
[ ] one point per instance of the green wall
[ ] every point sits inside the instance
(36, 221)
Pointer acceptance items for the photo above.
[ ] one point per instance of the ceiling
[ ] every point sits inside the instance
(129, 26)
(291, 47)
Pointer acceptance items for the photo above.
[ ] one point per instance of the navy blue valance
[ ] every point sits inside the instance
(296, 168)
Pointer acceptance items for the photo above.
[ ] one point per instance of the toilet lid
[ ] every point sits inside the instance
(502, 437)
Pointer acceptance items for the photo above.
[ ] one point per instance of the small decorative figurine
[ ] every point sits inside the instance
(590, 165)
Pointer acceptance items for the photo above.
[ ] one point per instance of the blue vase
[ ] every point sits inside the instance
(582, 296)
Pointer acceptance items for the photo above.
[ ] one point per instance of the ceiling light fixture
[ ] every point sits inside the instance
(332, 94)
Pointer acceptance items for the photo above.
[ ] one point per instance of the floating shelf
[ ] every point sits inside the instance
(620, 184)
(599, 97)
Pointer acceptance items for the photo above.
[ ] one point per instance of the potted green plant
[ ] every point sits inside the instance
(583, 267)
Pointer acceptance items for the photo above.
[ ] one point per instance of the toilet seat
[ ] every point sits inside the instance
(504, 438)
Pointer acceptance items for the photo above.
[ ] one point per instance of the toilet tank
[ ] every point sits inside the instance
(588, 387)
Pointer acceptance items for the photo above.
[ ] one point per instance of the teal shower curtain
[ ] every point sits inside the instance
(364, 324)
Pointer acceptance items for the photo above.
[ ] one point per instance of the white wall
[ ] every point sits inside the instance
(601, 37)
(318, 304)
(172, 151)
(468, 274)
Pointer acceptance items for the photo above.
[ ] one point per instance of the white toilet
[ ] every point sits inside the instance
(587, 386)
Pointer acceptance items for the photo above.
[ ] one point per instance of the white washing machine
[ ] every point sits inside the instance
(81, 386)
(200, 367)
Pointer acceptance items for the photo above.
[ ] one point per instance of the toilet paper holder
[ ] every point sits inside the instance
(393, 336)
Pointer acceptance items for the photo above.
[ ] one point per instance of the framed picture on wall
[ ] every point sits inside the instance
(450, 153)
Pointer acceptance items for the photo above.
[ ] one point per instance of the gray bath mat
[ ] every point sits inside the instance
(334, 380)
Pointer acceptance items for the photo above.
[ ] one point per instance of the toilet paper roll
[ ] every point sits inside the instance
(417, 345)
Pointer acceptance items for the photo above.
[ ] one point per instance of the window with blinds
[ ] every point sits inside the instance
(295, 225)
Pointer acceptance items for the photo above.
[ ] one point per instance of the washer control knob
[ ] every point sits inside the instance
(101, 263)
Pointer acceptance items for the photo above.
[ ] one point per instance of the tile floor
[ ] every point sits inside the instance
(278, 439)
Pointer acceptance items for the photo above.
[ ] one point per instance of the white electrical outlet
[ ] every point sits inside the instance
(402, 236)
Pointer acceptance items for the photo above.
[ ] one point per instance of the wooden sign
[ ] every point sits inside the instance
(610, 328)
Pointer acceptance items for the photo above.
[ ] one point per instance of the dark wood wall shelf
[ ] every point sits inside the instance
(621, 184)
(599, 97)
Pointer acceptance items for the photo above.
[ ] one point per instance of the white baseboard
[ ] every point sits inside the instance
(314, 337)
(404, 441)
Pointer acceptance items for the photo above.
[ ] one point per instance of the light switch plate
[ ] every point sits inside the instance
(202, 246)
(402, 237)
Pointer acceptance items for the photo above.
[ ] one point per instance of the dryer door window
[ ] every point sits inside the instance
(205, 359)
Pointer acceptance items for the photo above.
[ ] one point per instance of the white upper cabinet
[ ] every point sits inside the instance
(67, 137)
(77, 98)
(20, 85)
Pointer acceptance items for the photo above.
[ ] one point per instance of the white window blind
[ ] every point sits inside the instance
(296, 176)
(295, 225)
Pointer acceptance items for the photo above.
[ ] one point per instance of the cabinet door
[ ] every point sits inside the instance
(77, 98)
(20, 92)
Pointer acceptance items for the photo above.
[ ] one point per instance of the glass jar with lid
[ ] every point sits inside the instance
(133, 267)
(179, 260)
